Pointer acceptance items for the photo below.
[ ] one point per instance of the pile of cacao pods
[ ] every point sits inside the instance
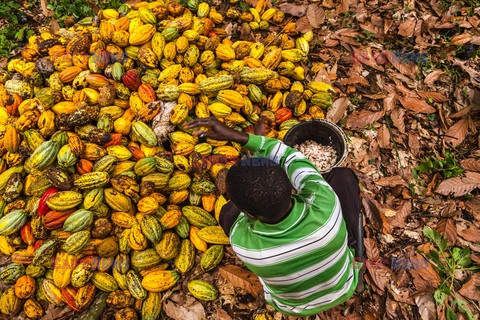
(92, 200)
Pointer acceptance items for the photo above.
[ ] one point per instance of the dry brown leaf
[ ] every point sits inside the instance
(315, 15)
(457, 133)
(303, 25)
(408, 69)
(3, 62)
(472, 233)
(342, 7)
(380, 279)
(435, 96)
(360, 119)
(372, 213)
(420, 284)
(253, 3)
(432, 77)
(446, 227)
(413, 143)
(470, 164)
(293, 9)
(223, 315)
(470, 289)
(242, 278)
(364, 55)
(337, 111)
(403, 211)
(181, 311)
(461, 39)
(392, 181)
(384, 211)
(407, 27)
(416, 105)
(458, 186)
(429, 274)
(383, 137)
(54, 26)
(389, 101)
(371, 248)
(426, 307)
(355, 80)
(398, 119)
(474, 204)
(246, 33)
(461, 113)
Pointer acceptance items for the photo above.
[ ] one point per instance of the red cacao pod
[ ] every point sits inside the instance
(42, 204)
(131, 79)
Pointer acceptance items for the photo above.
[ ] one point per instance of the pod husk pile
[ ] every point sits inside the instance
(92, 199)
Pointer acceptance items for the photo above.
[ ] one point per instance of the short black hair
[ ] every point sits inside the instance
(259, 187)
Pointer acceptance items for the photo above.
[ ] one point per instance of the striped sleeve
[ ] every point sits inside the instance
(303, 175)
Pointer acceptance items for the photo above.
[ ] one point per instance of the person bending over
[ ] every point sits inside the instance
(295, 242)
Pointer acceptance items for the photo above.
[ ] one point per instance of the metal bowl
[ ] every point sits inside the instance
(322, 131)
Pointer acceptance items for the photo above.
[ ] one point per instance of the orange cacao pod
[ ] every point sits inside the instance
(146, 93)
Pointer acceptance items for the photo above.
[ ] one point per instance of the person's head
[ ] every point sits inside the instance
(260, 188)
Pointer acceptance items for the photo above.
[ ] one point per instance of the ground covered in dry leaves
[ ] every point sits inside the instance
(414, 144)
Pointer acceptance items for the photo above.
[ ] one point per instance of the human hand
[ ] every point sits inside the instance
(263, 126)
(214, 129)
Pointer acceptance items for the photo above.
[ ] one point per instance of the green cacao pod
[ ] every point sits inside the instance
(12, 222)
(198, 217)
(182, 228)
(151, 228)
(134, 284)
(78, 221)
(145, 259)
(152, 306)
(211, 258)
(143, 134)
(203, 187)
(185, 259)
(81, 275)
(11, 272)
(202, 290)
(104, 281)
(76, 242)
(44, 155)
(92, 180)
(169, 246)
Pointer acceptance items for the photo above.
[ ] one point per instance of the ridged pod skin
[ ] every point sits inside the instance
(145, 259)
(185, 259)
(9, 302)
(198, 217)
(151, 307)
(25, 287)
(200, 244)
(213, 234)
(64, 265)
(104, 281)
(169, 245)
(212, 258)
(134, 284)
(202, 290)
(161, 280)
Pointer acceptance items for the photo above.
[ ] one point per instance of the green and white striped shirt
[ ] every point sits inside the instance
(303, 262)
